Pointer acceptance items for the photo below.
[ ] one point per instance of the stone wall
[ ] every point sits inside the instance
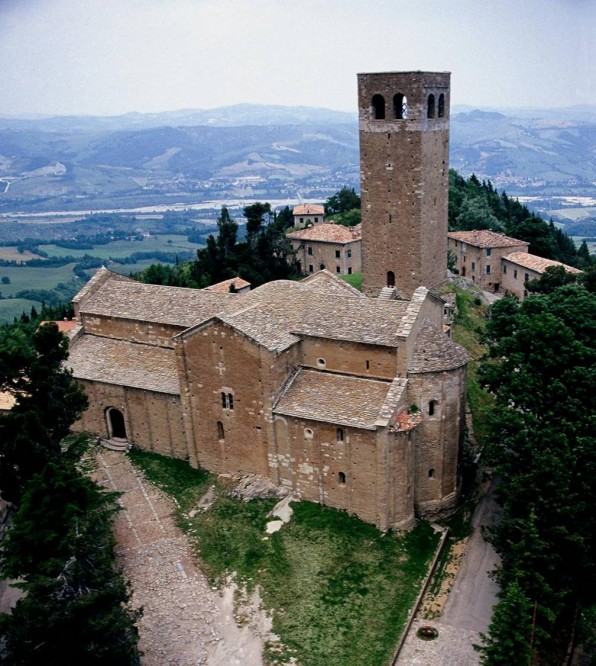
(473, 262)
(352, 358)
(324, 255)
(153, 420)
(441, 398)
(514, 278)
(130, 329)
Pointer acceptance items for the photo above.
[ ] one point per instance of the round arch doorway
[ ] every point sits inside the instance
(116, 424)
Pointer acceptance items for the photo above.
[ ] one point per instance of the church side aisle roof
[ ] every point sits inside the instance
(175, 306)
(124, 363)
(339, 399)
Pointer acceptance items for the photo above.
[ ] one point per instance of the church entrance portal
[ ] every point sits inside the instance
(116, 425)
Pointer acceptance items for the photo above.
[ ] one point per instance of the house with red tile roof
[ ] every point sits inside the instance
(328, 246)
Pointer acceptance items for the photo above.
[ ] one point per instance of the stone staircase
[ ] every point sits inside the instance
(388, 294)
(114, 444)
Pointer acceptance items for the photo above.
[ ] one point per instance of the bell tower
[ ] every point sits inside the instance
(404, 170)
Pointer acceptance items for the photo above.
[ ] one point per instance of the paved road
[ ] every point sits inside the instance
(469, 607)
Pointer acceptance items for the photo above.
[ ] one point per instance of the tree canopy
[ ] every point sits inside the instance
(542, 371)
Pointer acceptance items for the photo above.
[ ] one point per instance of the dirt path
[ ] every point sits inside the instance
(184, 622)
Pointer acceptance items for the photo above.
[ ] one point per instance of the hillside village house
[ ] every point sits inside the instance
(307, 214)
(520, 267)
(328, 246)
(355, 400)
(497, 263)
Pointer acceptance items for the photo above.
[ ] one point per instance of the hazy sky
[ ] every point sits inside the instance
(114, 56)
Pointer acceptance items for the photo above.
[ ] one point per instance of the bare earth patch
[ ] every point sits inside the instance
(185, 622)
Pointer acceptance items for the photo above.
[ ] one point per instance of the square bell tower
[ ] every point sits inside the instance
(404, 170)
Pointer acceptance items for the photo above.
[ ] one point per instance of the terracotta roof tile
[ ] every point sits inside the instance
(309, 209)
(485, 238)
(124, 363)
(330, 398)
(328, 233)
(538, 264)
(224, 287)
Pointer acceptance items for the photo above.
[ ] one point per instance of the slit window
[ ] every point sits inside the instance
(431, 407)
(441, 113)
(341, 477)
(220, 430)
(340, 434)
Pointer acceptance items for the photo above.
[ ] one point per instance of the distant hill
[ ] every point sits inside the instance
(267, 152)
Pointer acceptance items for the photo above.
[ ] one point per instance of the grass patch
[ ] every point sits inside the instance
(121, 249)
(340, 591)
(355, 280)
(14, 307)
(469, 324)
(34, 277)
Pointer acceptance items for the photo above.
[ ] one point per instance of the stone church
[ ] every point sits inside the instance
(352, 400)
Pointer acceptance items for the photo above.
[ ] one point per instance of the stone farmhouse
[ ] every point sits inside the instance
(496, 262)
(307, 214)
(328, 246)
(352, 400)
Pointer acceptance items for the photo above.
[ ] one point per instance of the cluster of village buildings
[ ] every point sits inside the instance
(490, 260)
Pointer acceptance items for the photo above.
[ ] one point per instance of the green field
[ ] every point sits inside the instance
(14, 307)
(25, 277)
(121, 249)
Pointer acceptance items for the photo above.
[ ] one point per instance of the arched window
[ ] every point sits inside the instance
(400, 106)
(116, 425)
(441, 113)
(431, 407)
(340, 434)
(220, 430)
(390, 279)
(378, 107)
(431, 473)
(430, 109)
(341, 477)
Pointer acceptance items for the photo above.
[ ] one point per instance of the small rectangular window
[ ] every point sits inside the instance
(349, 270)
(488, 270)
(316, 219)
(504, 269)
(488, 251)
(473, 265)
(309, 251)
(338, 269)
(526, 277)
(348, 253)
(337, 254)
(310, 268)
(301, 220)
(515, 273)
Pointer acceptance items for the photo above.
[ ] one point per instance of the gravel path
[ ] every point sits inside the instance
(185, 622)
